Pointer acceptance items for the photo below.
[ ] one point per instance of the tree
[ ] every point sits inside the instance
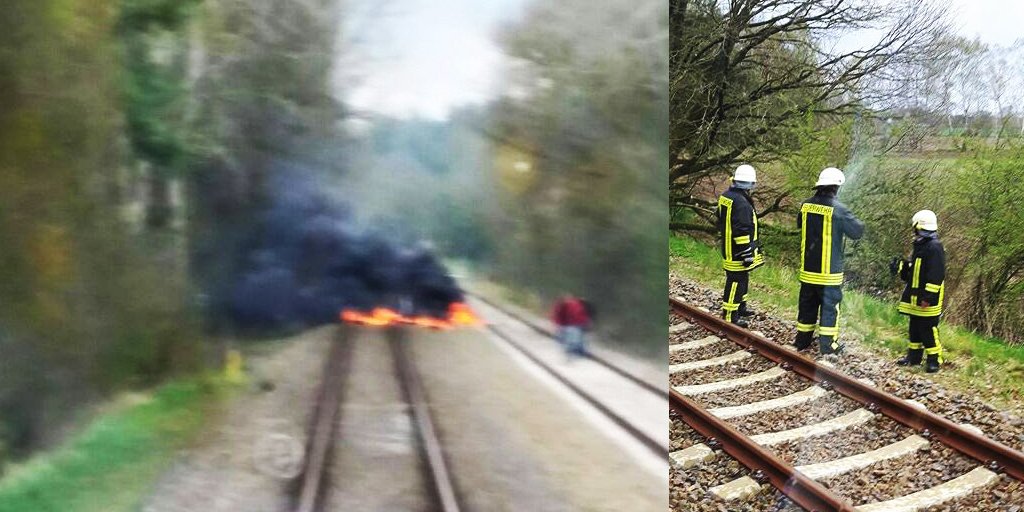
(580, 153)
(746, 73)
(267, 109)
(154, 50)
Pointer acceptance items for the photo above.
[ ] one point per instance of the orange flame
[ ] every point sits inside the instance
(459, 315)
(379, 317)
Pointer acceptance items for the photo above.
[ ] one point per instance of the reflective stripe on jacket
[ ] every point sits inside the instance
(925, 275)
(737, 227)
(823, 222)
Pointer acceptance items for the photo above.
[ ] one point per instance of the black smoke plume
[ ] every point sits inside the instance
(307, 260)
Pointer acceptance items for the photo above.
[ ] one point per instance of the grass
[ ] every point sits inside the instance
(978, 363)
(111, 464)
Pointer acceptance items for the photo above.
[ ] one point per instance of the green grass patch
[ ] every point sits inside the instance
(979, 363)
(111, 464)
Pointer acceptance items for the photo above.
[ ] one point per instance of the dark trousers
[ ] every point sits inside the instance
(815, 299)
(735, 296)
(924, 334)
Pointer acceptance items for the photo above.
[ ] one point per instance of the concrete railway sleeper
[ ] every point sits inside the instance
(811, 484)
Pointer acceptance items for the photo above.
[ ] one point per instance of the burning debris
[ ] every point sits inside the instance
(459, 314)
(307, 264)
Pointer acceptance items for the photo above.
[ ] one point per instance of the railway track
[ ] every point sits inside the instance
(620, 417)
(314, 483)
(821, 438)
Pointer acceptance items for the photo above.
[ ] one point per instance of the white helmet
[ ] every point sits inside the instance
(745, 173)
(925, 219)
(830, 176)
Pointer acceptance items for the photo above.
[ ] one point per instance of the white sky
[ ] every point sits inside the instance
(994, 21)
(430, 56)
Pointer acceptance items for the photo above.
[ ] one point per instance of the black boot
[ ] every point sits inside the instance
(736, 319)
(744, 311)
(913, 357)
(828, 345)
(932, 363)
(803, 340)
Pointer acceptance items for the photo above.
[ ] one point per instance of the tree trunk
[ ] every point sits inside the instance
(159, 209)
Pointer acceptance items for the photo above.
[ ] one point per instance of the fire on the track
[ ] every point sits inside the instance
(459, 315)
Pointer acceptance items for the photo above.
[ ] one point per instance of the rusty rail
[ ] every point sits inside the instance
(415, 396)
(802, 490)
(654, 445)
(994, 455)
(324, 423)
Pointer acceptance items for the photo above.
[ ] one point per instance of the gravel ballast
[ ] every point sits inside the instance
(827, 407)
(782, 386)
(878, 482)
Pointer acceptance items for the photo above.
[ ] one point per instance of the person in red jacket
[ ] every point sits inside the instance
(570, 315)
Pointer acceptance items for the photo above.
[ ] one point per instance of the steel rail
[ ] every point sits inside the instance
(324, 423)
(415, 396)
(801, 490)
(654, 445)
(994, 455)
(596, 358)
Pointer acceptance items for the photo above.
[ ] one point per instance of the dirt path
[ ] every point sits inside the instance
(243, 461)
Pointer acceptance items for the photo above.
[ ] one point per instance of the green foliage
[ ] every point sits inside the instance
(975, 199)
(139, 16)
(579, 161)
(817, 142)
(111, 464)
(746, 88)
(151, 37)
(82, 293)
(989, 235)
(886, 194)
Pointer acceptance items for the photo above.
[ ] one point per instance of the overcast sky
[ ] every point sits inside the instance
(430, 56)
(994, 21)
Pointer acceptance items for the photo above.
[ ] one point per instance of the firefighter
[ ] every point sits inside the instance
(740, 247)
(824, 223)
(924, 274)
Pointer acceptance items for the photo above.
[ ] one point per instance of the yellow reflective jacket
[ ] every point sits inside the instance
(737, 227)
(824, 222)
(925, 275)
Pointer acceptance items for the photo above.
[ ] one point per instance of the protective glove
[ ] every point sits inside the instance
(747, 256)
(894, 266)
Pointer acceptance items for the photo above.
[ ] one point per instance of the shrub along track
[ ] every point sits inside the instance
(894, 460)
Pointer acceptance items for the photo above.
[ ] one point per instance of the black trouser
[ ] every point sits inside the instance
(924, 334)
(815, 297)
(734, 298)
